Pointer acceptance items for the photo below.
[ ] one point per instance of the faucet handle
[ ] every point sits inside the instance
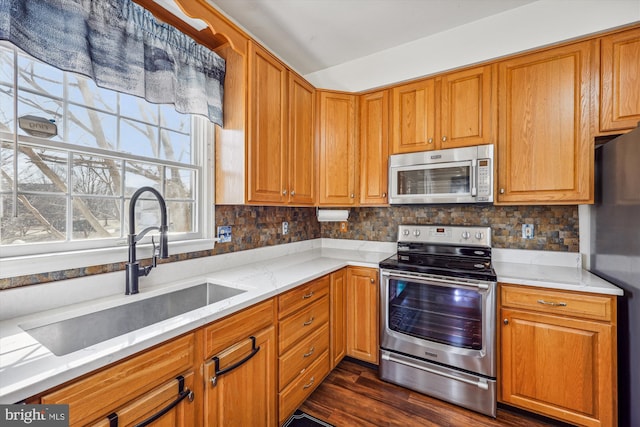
(156, 252)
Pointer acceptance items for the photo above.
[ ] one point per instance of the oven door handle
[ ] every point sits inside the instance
(433, 279)
(480, 384)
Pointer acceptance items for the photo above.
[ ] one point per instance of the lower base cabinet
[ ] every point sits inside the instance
(558, 354)
(363, 307)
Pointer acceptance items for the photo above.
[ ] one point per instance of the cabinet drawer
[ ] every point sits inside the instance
(302, 296)
(224, 333)
(100, 394)
(299, 325)
(297, 360)
(296, 393)
(588, 306)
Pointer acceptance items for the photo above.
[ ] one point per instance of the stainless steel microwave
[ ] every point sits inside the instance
(456, 175)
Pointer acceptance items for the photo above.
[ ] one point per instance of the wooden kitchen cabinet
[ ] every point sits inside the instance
(303, 343)
(374, 148)
(456, 109)
(240, 368)
(620, 81)
(558, 354)
(136, 389)
(338, 296)
(362, 313)
(545, 151)
(337, 149)
(267, 138)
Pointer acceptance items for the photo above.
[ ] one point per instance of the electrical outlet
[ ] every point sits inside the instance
(527, 231)
(285, 227)
(224, 233)
(343, 227)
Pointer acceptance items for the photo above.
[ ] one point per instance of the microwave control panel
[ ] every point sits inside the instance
(484, 179)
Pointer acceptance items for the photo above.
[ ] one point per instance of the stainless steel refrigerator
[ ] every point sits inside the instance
(615, 256)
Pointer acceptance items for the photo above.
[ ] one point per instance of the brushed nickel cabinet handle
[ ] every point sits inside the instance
(502, 191)
(444, 139)
(506, 321)
(306, 386)
(308, 322)
(307, 296)
(384, 194)
(311, 350)
(551, 303)
(293, 193)
(284, 192)
(372, 280)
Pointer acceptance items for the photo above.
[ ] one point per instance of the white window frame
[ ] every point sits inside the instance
(30, 259)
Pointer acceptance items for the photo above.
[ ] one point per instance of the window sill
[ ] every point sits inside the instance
(46, 263)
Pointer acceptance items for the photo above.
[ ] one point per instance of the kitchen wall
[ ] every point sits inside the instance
(556, 229)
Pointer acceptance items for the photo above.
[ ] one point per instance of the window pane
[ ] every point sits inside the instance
(180, 217)
(42, 169)
(180, 183)
(173, 120)
(140, 175)
(137, 108)
(105, 215)
(175, 146)
(41, 106)
(91, 128)
(40, 219)
(39, 77)
(96, 175)
(82, 90)
(138, 138)
(6, 166)
(147, 213)
(6, 109)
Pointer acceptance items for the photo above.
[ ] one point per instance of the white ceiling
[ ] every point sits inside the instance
(312, 35)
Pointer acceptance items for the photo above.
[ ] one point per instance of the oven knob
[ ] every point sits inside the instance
(466, 235)
(416, 233)
(405, 232)
(479, 235)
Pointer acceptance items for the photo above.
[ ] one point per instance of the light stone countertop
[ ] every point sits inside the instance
(28, 368)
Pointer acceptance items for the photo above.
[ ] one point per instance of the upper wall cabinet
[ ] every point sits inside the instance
(267, 139)
(620, 81)
(374, 148)
(545, 153)
(455, 110)
(337, 147)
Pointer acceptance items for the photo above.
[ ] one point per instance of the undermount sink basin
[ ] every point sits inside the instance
(84, 331)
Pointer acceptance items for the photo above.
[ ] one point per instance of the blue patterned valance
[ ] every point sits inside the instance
(121, 46)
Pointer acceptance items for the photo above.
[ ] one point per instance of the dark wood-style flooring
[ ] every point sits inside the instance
(352, 395)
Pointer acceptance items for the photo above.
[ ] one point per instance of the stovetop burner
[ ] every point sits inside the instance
(463, 252)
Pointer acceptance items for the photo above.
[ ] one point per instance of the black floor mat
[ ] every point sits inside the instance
(302, 419)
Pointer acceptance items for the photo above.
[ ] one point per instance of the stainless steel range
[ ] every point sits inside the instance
(437, 322)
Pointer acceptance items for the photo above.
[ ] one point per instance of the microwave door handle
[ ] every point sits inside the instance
(474, 178)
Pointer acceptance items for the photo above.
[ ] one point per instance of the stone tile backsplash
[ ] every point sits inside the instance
(556, 229)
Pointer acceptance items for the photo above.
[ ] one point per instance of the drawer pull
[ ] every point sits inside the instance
(216, 360)
(307, 296)
(308, 322)
(182, 394)
(311, 350)
(306, 386)
(551, 303)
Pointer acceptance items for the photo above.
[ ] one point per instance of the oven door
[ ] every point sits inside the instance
(449, 321)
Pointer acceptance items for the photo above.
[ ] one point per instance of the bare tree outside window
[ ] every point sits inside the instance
(76, 185)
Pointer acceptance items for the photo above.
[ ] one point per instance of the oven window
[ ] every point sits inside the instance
(442, 180)
(449, 316)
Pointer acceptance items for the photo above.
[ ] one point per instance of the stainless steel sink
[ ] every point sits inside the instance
(84, 331)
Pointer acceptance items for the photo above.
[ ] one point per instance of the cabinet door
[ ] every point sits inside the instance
(468, 108)
(362, 313)
(374, 148)
(337, 149)
(301, 141)
(545, 153)
(246, 395)
(338, 316)
(620, 81)
(267, 128)
(175, 397)
(558, 366)
(413, 117)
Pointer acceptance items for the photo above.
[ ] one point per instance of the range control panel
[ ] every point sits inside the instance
(445, 234)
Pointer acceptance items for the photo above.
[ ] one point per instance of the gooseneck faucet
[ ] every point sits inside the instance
(134, 271)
